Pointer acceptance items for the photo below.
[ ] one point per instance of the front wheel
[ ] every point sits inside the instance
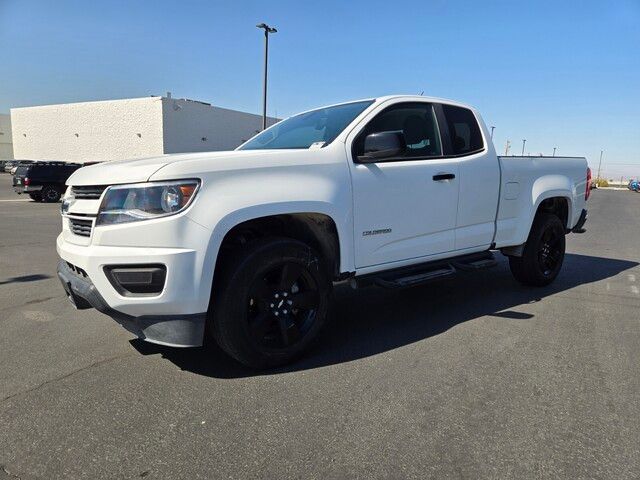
(270, 301)
(543, 253)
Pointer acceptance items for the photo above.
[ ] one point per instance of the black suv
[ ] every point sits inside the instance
(43, 181)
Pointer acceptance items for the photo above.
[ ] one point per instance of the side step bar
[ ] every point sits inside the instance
(415, 279)
(426, 272)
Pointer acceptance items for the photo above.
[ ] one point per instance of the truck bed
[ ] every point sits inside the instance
(526, 181)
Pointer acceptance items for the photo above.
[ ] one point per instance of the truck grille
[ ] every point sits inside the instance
(81, 227)
(89, 192)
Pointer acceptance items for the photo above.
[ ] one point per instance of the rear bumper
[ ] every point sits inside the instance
(19, 189)
(579, 227)
(172, 330)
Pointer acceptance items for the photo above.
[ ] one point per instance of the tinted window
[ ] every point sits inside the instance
(463, 129)
(22, 171)
(301, 131)
(417, 123)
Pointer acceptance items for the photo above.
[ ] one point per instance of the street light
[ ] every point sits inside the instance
(267, 30)
(600, 164)
(554, 151)
(524, 140)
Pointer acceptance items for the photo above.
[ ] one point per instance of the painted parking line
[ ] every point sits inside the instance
(17, 200)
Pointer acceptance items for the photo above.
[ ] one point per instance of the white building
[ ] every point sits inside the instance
(6, 145)
(129, 128)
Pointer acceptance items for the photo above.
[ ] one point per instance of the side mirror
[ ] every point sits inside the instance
(382, 145)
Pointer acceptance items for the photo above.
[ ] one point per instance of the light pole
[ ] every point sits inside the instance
(554, 151)
(267, 31)
(600, 164)
(524, 140)
(492, 129)
(506, 148)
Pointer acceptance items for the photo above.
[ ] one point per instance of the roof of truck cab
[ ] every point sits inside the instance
(417, 98)
(422, 98)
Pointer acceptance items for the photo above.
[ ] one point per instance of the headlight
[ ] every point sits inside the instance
(66, 203)
(143, 201)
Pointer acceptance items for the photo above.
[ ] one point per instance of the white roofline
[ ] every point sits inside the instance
(385, 98)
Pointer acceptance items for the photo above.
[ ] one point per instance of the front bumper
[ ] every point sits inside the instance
(172, 330)
(175, 317)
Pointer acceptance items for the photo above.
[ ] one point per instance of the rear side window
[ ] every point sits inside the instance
(464, 130)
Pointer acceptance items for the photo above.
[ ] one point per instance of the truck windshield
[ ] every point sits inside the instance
(301, 131)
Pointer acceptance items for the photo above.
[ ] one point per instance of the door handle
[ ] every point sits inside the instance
(443, 176)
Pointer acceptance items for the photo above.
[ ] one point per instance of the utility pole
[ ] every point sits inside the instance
(267, 31)
(554, 151)
(524, 140)
(506, 148)
(600, 163)
(492, 129)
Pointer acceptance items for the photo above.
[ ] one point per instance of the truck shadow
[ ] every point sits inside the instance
(373, 320)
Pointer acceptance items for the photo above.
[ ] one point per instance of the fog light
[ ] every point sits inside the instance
(137, 280)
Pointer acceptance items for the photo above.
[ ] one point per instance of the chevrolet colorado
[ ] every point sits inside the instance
(244, 246)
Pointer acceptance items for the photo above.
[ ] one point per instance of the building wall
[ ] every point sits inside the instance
(198, 127)
(6, 143)
(130, 128)
(89, 131)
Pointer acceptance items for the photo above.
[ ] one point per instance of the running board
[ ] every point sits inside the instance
(415, 279)
(475, 265)
(420, 274)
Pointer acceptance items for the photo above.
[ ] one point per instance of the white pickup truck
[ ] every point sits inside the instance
(243, 247)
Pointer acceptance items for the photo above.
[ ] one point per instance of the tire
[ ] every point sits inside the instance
(51, 194)
(270, 303)
(543, 253)
(37, 197)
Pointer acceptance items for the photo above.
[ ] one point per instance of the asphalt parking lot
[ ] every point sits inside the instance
(475, 377)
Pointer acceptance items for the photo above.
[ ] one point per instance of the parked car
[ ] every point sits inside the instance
(43, 181)
(8, 165)
(19, 163)
(244, 246)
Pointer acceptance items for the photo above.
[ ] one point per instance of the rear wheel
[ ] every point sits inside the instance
(51, 194)
(271, 302)
(543, 253)
(36, 196)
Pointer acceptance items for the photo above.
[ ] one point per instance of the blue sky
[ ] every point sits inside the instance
(558, 73)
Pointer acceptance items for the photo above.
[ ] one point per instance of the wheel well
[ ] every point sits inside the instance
(558, 206)
(316, 230)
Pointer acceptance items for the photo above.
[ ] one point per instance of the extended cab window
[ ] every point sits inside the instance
(463, 130)
(417, 123)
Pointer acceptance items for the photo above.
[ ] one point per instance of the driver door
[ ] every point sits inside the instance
(405, 207)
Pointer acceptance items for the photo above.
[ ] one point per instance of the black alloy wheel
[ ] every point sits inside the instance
(282, 305)
(549, 252)
(543, 252)
(50, 194)
(270, 300)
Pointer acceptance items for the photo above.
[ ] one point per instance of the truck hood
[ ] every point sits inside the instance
(123, 171)
(181, 164)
